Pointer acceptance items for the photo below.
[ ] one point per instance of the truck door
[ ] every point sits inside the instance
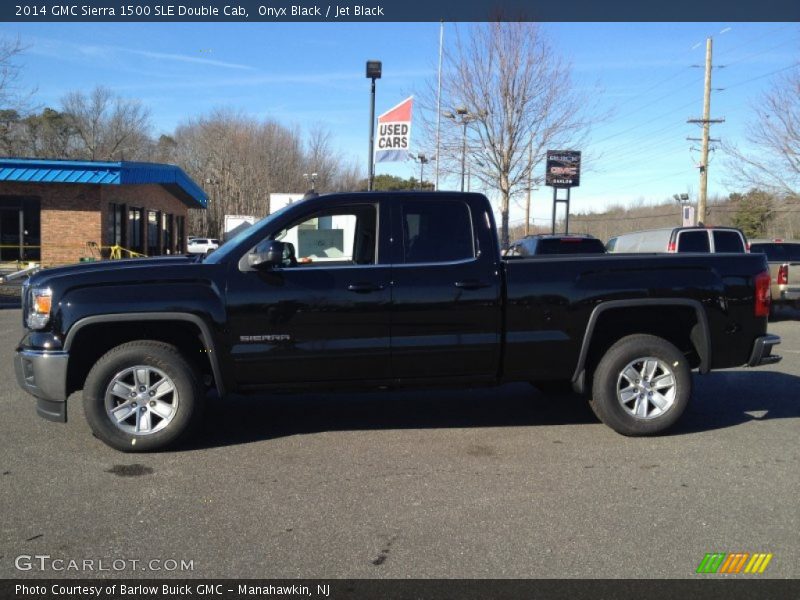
(446, 314)
(324, 315)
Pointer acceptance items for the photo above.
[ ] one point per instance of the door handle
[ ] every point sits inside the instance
(471, 284)
(364, 288)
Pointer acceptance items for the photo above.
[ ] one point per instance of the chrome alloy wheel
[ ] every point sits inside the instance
(141, 400)
(646, 388)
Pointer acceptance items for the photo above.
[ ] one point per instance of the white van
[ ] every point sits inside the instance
(727, 240)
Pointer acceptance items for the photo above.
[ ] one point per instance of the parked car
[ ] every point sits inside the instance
(720, 240)
(535, 245)
(783, 257)
(418, 297)
(202, 245)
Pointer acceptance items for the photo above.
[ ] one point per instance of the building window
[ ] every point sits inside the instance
(135, 226)
(167, 226)
(153, 230)
(116, 219)
(20, 218)
(180, 234)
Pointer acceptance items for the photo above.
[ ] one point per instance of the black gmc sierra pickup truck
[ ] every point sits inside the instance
(379, 290)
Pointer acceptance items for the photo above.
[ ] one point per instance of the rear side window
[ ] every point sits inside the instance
(728, 242)
(693, 241)
(778, 252)
(570, 246)
(436, 231)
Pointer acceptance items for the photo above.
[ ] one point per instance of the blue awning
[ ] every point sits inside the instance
(172, 178)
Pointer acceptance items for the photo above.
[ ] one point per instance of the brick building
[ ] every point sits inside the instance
(51, 209)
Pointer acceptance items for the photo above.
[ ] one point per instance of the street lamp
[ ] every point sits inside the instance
(680, 198)
(374, 68)
(462, 117)
(422, 160)
(312, 178)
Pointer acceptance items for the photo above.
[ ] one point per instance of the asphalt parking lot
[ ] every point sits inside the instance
(484, 483)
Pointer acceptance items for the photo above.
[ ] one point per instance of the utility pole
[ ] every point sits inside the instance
(706, 121)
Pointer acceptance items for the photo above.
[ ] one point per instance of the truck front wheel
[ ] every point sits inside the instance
(641, 386)
(142, 396)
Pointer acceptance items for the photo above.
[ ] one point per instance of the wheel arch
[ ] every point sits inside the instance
(188, 332)
(694, 332)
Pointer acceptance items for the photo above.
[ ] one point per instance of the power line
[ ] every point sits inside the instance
(737, 84)
(659, 144)
(658, 118)
(748, 56)
(631, 218)
(654, 86)
(649, 136)
(633, 184)
(759, 36)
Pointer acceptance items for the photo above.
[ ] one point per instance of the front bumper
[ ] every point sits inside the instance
(762, 351)
(43, 374)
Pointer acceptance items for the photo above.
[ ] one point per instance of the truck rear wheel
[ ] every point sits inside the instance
(641, 386)
(142, 396)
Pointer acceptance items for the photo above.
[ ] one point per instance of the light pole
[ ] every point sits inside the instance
(469, 171)
(462, 117)
(422, 160)
(374, 68)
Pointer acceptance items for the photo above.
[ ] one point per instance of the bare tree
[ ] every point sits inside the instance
(47, 134)
(10, 95)
(771, 158)
(240, 161)
(521, 102)
(107, 127)
(14, 102)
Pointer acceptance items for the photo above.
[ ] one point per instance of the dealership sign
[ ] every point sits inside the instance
(563, 168)
(394, 133)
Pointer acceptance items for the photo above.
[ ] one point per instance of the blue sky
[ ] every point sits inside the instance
(307, 74)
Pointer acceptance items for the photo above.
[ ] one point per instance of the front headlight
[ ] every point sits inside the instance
(40, 303)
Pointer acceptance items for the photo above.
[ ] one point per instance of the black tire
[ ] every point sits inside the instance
(608, 392)
(187, 399)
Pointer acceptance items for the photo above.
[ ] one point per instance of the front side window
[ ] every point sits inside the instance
(347, 235)
(436, 231)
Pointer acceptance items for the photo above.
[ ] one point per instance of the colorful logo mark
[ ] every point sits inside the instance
(737, 562)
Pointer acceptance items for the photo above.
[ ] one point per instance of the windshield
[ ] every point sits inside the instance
(226, 248)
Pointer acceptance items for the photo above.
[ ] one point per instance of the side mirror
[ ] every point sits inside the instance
(267, 255)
